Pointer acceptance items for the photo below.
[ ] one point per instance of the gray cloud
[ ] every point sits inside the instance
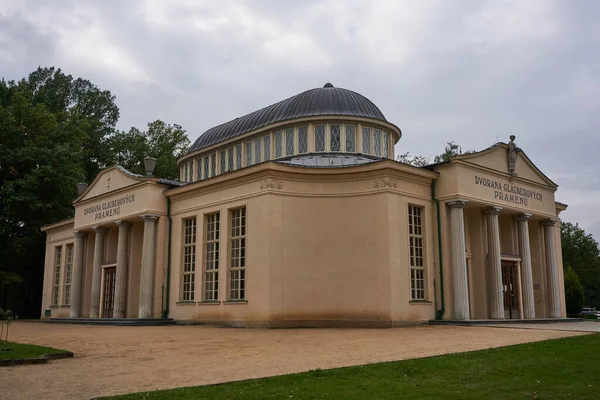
(472, 72)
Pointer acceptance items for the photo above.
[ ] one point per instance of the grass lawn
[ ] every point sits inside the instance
(556, 369)
(14, 351)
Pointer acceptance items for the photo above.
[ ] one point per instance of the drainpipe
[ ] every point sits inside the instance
(165, 313)
(439, 314)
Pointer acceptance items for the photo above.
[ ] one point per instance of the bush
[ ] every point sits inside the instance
(574, 295)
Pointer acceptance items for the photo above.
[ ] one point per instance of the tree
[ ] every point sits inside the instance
(164, 142)
(415, 161)
(62, 95)
(452, 149)
(574, 293)
(582, 253)
(41, 161)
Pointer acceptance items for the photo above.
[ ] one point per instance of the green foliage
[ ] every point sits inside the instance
(164, 142)
(573, 292)
(582, 253)
(558, 369)
(415, 161)
(452, 149)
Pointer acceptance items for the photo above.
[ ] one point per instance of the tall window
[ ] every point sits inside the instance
(257, 151)
(206, 162)
(377, 142)
(230, 159)
(386, 145)
(334, 137)
(319, 137)
(213, 164)
(278, 144)
(303, 139)
(189, 259)
(417, 268)
(222, 161)
(199, 169)
(237, 262)
(249, 153)
(238, 156)
(366, 140)
(350, 138)
(267, 147)
(57, 263)
(211, 259)
(68, 273)
(289, 141)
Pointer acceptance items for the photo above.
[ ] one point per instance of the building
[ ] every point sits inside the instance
(298, 215)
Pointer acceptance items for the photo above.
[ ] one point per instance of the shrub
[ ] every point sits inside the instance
(574, 295)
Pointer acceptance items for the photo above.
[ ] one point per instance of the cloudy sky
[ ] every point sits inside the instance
(471, 71)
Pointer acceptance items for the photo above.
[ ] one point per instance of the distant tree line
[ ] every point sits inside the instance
(57, 131)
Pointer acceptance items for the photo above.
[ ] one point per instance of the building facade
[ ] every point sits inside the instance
(298, 215)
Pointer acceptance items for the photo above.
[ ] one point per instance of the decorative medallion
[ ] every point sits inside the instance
(385, 183)
(513, 155)
(270, 183)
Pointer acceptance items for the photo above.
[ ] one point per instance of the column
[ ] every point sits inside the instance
(121, 277)
(97, 271)
(77, 274)
(147, 278)
(526, 268)
(552, 267)
(494, 264)
(459, 260)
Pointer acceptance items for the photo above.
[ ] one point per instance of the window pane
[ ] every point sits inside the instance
(278, 144)
(267, 147)
(350, 138)
(377, 142)
(366, 140)
(257, 151)
(230, 159)
(319, 137)
(238, 156)
(386, 152)
(213, 164)
(206, 161)
(222, 161)
(289, 141)
(248, 154)
(302, 139)
(199, 169)
(334, 137)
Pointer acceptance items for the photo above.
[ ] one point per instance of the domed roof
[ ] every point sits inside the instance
(327, 100)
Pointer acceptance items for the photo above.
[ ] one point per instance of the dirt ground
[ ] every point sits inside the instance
(115, 360)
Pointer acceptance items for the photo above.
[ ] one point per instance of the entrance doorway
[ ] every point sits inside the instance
(108, 294)
(509, 289)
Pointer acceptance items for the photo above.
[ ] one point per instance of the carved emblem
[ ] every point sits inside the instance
(513, 155)
(385, 183)
(108, 182)
(273, 184)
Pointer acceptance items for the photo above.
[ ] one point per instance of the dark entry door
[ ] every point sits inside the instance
(108, 297)
(509, 289)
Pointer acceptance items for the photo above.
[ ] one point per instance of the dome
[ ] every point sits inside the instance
(324, 101)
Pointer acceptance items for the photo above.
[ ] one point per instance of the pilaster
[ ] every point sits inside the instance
(97, 271)
(526, 267)
(494, 264)
(459, 260)
(552, 267)
(147, 278)
(121, 272)
(77, 274)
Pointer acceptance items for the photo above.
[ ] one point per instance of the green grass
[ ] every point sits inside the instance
(16, 351)
(556, 369)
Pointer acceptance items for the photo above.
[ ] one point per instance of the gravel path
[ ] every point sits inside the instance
(115, 360)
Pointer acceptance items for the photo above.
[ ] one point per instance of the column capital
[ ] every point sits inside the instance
(549, 222)
(493, 210)
(80, 234)
(522, 217)
(122, 223)
(146, 217)
(99, 229)
(458, 203)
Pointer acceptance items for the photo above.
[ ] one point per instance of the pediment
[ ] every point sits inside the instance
(110, 180)
(495, 158)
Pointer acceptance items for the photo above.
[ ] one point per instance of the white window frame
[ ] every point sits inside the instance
(324, 138)
(278, 152)
(211, 256)
(57, 268)
(290, 142)
(416, 254)
(369, 133)
(70, 250)
(188, 254)
(237, 254)
(266, 143)
(304, 130)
